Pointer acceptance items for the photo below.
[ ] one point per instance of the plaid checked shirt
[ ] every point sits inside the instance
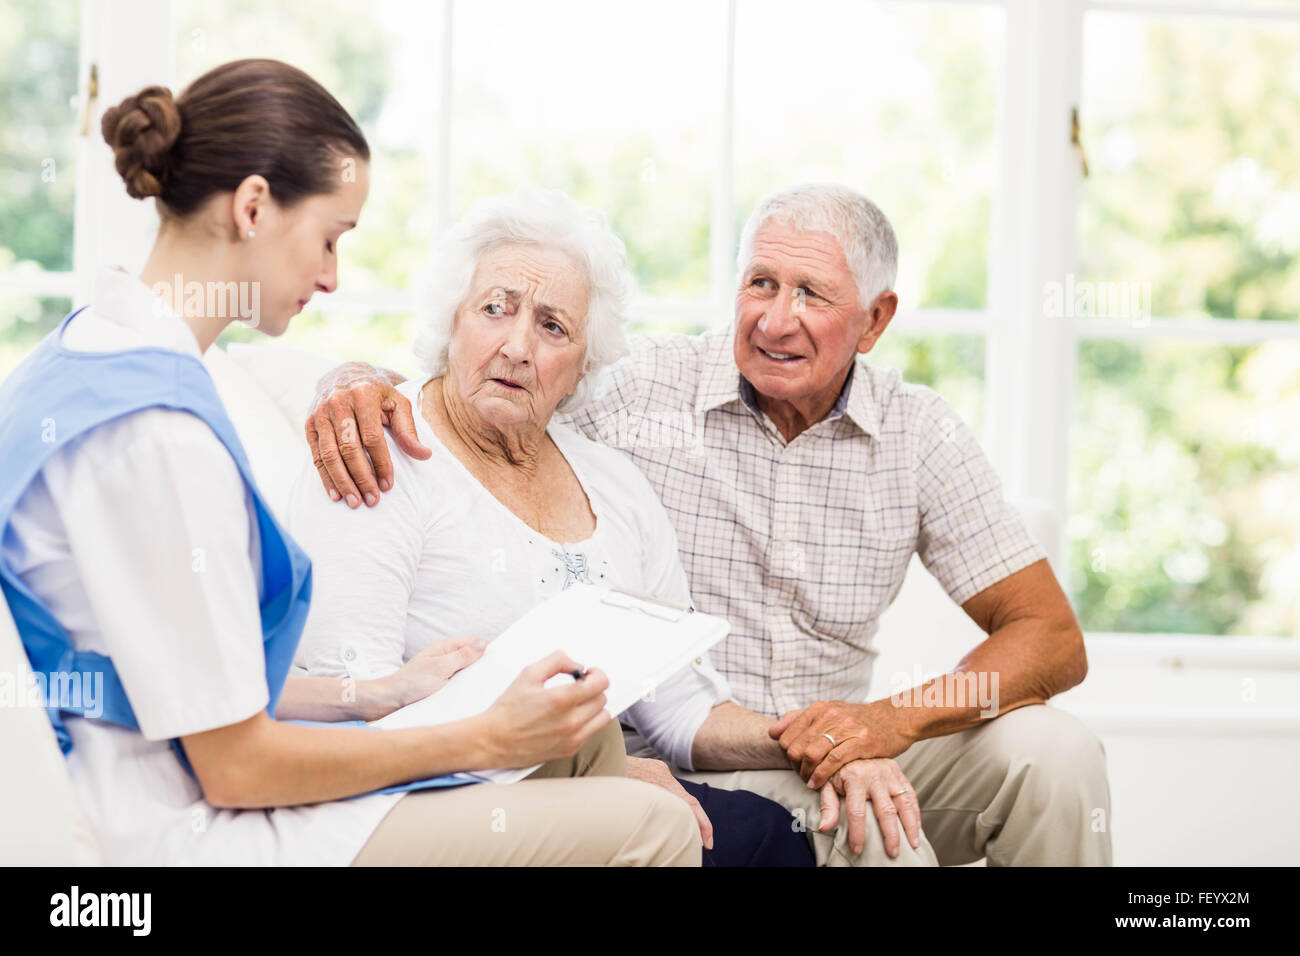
(802, 546)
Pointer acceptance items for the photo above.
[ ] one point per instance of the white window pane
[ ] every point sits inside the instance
(39, 125)
(952, 365)
(1248, 6)
(24, 321)
(1192, 128)
(379, 61)
(1185, 488)
(618, 105)
(382, 338)
(896, 100)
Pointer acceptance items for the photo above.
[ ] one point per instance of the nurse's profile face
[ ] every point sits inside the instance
(519, 337)
(295, 254)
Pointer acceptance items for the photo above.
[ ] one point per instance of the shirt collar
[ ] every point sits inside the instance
(125, 300)
(722, 383)
(859, 398)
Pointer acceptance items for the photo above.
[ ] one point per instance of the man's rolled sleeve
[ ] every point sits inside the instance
(970, 537)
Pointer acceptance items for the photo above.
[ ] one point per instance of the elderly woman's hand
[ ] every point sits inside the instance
(882, 783)
(345, 429)
(429, 670)
(657, 772)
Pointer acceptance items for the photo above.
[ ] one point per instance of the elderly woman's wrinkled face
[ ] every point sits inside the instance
(519, 337)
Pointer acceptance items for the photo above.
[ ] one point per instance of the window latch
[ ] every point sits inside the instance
(92, 94)
(1077, 141)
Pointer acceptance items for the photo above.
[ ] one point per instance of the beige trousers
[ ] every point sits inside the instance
(1028, 788)
(579, 811)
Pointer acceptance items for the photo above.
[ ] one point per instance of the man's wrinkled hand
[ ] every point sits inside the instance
(345, 429)
(827, 735)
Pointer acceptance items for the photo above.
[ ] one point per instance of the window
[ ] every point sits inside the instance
(376, 59)
(1126, 343)
(38, 72)
(896, 100)
(1187, 487)
(899, 101)
(562, 99)
(1195, 189)
(1185, 468)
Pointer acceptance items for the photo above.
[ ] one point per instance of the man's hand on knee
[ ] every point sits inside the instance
(830, 734)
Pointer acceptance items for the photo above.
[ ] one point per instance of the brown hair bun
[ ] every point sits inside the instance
(142, 130)
(243, 118)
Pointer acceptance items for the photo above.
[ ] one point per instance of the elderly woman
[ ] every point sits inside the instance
(528, 301)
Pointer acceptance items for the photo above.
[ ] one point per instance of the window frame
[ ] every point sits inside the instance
(1213, 331)
(1030, 360)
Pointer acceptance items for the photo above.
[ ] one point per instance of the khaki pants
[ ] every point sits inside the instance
(1028, 788)
(579, 811)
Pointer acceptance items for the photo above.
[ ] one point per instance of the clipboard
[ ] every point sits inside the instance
(639, 641)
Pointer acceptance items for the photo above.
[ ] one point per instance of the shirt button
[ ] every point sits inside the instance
(349, 654)
(699, 660)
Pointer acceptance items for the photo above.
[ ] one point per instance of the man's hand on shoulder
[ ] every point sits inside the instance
(345, 429)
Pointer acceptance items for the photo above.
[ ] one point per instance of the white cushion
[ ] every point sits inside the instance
(40, 822)
(285, 373)
(267, 390)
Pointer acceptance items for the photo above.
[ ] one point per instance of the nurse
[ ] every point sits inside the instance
(138, 555)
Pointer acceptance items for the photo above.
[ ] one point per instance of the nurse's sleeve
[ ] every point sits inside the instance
(678, 707)
(160, 532)
(364, 565)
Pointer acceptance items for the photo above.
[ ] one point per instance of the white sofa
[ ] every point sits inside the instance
(1172, 716)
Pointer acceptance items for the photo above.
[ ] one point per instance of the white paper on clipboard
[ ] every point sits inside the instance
(637, 641)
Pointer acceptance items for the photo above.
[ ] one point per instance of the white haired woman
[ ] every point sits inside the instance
(528, 298)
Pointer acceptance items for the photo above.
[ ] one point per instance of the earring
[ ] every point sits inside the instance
(251, 234)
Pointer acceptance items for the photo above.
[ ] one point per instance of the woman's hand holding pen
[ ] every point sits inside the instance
(531, 723)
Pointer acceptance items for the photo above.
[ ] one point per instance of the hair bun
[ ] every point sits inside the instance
(142, 130)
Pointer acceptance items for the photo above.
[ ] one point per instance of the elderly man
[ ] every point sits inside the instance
(800, 480)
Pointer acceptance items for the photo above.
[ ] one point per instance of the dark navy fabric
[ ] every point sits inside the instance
(750, 830)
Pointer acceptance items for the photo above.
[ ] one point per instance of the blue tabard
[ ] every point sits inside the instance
(57, 395)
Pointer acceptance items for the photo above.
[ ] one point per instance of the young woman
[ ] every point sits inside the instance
(139, 558)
